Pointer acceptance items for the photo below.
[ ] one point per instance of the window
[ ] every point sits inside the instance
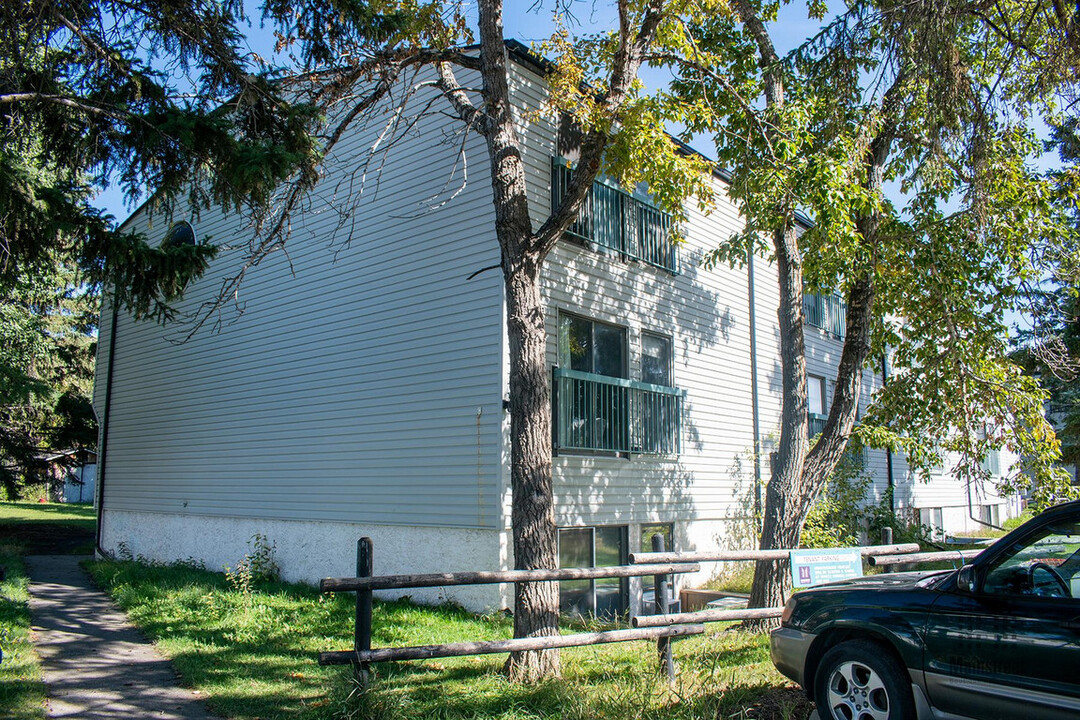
(180, 233)
(648, 582)
(815, 394)
(991, 462)
(593, 547)
(932, 519)
(990, 514)
(590, 346)
(828, 312)
(592, 415)
(655, 419)
(596, 408)
(656, 359)
(1047, 565)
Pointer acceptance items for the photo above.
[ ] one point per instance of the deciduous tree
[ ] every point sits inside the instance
(931, 101)
(593, 81)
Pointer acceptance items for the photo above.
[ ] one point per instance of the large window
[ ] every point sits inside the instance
(597, 409)
(593, 547)
(590, 346)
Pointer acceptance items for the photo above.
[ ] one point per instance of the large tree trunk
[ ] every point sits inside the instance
(536, 605)
(783, 513)
(785, 494)
(798, 472)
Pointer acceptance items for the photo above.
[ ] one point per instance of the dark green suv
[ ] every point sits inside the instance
(996, 639)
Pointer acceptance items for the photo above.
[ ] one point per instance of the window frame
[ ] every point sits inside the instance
(670, 341)
(564, 361)
(623, 583)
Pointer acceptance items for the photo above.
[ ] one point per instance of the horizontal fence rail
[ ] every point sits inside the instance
(427, 652)
(664, 619)
(746, 555)
(399, 582)
(662, 627)
(704, 616)
(365, 582)
(886, 555)
(924, 557)
(600, 413)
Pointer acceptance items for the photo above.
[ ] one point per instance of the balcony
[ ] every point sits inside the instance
(616, 220)
(597, 413)
(826, 312)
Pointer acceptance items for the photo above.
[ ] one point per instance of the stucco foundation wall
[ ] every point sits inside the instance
(309, 551)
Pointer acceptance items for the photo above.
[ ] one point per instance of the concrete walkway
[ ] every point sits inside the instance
(96, 665)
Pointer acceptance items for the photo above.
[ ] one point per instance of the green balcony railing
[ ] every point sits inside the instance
(614, 219)
(817, 424)
(597, 413)
(827, 312)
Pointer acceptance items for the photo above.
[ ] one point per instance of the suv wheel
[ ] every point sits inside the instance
(860, 680)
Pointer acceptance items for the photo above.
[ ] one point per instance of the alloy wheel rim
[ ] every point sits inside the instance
(857, 692)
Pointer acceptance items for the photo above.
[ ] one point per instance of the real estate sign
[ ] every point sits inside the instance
(816, 567)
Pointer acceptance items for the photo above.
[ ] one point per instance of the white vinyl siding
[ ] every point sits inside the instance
(706, 315)
(360, 382)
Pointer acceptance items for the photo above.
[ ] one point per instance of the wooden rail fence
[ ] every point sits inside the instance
(365, 582)
(664, 619)
(661, 627)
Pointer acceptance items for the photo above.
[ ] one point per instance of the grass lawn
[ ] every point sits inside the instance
(48, 528)
(22, 694)
(27, 528)
(250, 648)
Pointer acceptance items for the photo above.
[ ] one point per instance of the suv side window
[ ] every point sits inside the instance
(1046, 565)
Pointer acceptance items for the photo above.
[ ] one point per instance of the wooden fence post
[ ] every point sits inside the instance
(887, 539)
(362, 632)
(660, 595)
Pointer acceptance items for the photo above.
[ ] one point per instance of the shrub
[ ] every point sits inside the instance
(837, 518)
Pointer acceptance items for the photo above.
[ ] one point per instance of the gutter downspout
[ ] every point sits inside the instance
(103, 449)
(888, 451)
(754, 385)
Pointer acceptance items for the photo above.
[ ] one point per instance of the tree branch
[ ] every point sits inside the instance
(629, 55)
(458, 98)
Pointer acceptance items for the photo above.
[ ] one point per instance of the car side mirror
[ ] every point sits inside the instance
(965, 579)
